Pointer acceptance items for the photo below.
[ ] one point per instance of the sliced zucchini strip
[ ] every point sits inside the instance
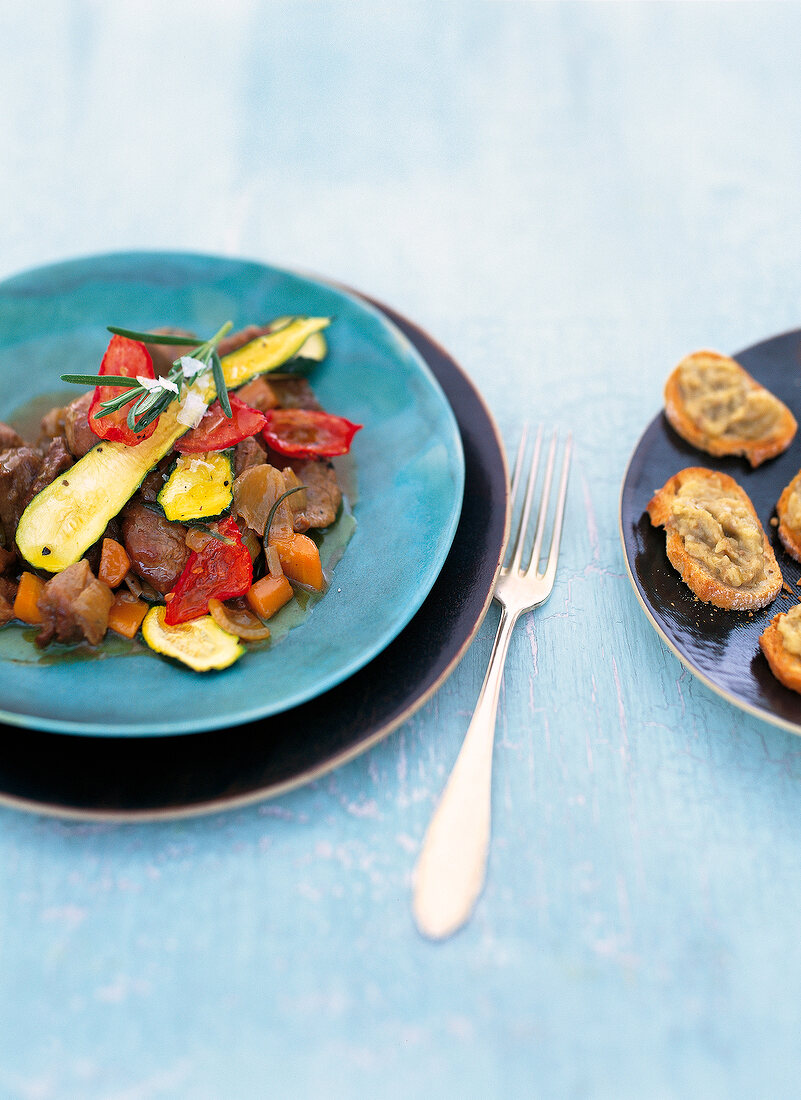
(314, 350)
(199, 644)
(199, 486)
(269, 352)
(71, 513)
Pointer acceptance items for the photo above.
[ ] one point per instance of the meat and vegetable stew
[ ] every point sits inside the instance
(176, 497)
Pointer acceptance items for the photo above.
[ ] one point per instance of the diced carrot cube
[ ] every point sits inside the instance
(269, 595)
(126, 614)
(26, 602)
(114, 563)
(300, 560)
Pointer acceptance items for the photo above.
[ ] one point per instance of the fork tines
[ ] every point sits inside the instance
(525, 549)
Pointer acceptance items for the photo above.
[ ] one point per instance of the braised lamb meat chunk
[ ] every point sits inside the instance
(24, 472)
(51, 425)
(294, 393)
(258, 393)
(323, 494)
(248, 453)
(56, 460)
(154, 481)
(151, 486)
(154, 544)
(9, 438)
(19, 469)
(74, 605)
(80, 437)
(8, 592)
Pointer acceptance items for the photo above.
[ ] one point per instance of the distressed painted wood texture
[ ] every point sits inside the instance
(569, 198)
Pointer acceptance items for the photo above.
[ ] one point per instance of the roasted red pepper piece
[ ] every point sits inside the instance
(218, 432)
(307, 433)
(221, 570)
(131, 359)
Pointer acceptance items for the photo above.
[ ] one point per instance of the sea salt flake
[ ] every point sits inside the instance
(191, 366)
(156, 383)
(192, 410)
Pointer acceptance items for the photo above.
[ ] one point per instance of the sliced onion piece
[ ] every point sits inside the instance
(239, 621)
(252, 542)
(255, 491)
(274, 567)
(299, 499)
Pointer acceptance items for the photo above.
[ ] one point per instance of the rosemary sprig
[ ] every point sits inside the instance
(149, 402)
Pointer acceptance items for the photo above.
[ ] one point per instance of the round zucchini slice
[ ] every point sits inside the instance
(200, 644)
(200, 486)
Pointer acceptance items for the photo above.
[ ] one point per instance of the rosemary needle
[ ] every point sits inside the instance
(155, 337)
(219, 382)
(100, 379)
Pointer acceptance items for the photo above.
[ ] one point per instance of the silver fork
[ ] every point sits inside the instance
(451, 869)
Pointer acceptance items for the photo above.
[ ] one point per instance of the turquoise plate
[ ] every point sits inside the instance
(409, 470)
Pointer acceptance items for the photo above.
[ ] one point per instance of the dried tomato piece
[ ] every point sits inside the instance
(308, 433)
(131, 359)
(221, 570)
(218, 432)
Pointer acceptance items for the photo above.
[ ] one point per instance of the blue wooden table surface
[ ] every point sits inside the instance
(568, 198)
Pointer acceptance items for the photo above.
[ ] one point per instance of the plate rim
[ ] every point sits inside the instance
(260, 794)
(153, 728)
(740, 704)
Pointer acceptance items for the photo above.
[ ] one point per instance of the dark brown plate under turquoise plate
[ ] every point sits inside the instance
(155, 777)
(720, 647)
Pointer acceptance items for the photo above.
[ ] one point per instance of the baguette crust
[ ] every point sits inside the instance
(784, 663)
(715, 540)
(713, 403)
(788, 510)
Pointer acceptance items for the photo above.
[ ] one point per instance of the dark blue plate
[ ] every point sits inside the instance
(141, 778)
(720, 647)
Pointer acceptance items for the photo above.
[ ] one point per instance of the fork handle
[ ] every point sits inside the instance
(450, 871)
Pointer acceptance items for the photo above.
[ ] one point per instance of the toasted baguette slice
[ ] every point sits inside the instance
(713, 403)
(715, 540)
(781, 644)
(788, 510)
